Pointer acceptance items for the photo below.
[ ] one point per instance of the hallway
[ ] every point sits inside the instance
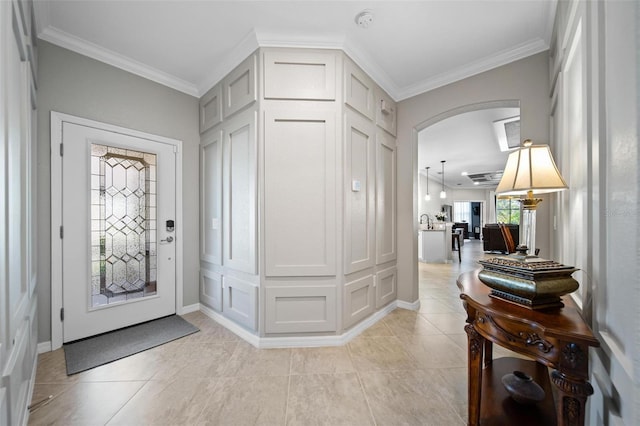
(409, 368)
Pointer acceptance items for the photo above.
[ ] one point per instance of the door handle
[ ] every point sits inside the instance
(169, 239)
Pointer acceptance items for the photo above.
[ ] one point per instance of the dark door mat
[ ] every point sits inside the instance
(94, 351)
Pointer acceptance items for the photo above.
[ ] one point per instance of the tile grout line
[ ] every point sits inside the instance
(286, 403)
(127, 401)
(364, 393)
(366, 398)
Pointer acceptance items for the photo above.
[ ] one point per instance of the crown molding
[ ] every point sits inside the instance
(94, 51)
(42, 13)
(225, 65)
(331, 41)
(371, 68)
(259, 38)
(300, 40)
(473, 68)
(552, 6)
(256, 39)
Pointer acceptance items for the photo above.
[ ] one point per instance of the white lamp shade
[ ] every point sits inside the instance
(530, 168)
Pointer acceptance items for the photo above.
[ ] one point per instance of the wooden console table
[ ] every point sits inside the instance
(559, 339)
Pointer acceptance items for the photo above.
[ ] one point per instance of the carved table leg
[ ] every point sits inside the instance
(475, 347)
(570, 379)
(572, 398)
(488, 352)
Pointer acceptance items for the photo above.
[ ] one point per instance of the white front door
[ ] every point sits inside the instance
(118, 244)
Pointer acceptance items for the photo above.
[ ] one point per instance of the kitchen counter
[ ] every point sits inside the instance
(434, 245)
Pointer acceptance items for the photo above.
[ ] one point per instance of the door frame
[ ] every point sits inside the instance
(57, 119)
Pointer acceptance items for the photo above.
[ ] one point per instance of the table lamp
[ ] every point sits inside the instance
(524, 279)
(530, 170)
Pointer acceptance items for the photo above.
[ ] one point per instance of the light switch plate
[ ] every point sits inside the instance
(355, 185)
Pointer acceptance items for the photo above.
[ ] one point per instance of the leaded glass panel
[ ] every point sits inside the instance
(123, 224)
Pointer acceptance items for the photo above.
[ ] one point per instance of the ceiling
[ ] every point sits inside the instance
(409, 48)
(468, 143)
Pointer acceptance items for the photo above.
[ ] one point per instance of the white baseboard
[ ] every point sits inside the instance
(239, 331)
(189, 308)
(299, 341)
(44, 347)
(32, 383)
(412, 306)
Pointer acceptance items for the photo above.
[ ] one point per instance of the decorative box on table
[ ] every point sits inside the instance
(530, 282)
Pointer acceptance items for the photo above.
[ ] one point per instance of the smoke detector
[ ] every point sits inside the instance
(364, 19)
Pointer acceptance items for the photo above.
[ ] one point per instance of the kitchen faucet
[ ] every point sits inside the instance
(424, 218)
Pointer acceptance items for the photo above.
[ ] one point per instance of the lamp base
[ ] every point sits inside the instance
(522, 255)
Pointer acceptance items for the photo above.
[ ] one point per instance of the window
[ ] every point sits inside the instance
(508, 210)
(462, 211)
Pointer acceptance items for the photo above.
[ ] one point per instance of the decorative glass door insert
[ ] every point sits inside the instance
(123, 225)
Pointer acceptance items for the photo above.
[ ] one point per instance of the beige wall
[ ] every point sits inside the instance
(74, 84)
(526, 80)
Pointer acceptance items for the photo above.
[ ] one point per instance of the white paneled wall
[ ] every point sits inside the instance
(359, 193)
(303, 182)
(18, 304)
(300, 192)
(359, 90)
(211, 197)
(386, 286)
(291, 307)
(594, 75)
(299, 74)
(211, 109)
(211, 289)
(385, 198)
(239, 193)
(360, 299)
(239, 87)
(229, 196)
(240, 299)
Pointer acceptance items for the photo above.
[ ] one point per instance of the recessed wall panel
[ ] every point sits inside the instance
(302, 74)
(211, 109)
(211, 199)
(358, 90)
(385, 198)
(359, 194)
(386, 287)
(240, 302)
(239, 233)
(239, 87)
(300, 193)
(359, 300)
(302, 308)
(211, 289)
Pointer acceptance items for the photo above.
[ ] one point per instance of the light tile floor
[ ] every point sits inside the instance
(408, 369)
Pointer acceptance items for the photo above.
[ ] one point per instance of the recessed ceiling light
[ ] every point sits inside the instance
(464, 173)
(364, 19)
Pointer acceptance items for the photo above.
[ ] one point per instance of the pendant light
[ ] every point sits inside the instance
(427, 197)
(443, 193)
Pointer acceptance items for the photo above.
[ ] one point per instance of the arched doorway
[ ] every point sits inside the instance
(418, 202)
